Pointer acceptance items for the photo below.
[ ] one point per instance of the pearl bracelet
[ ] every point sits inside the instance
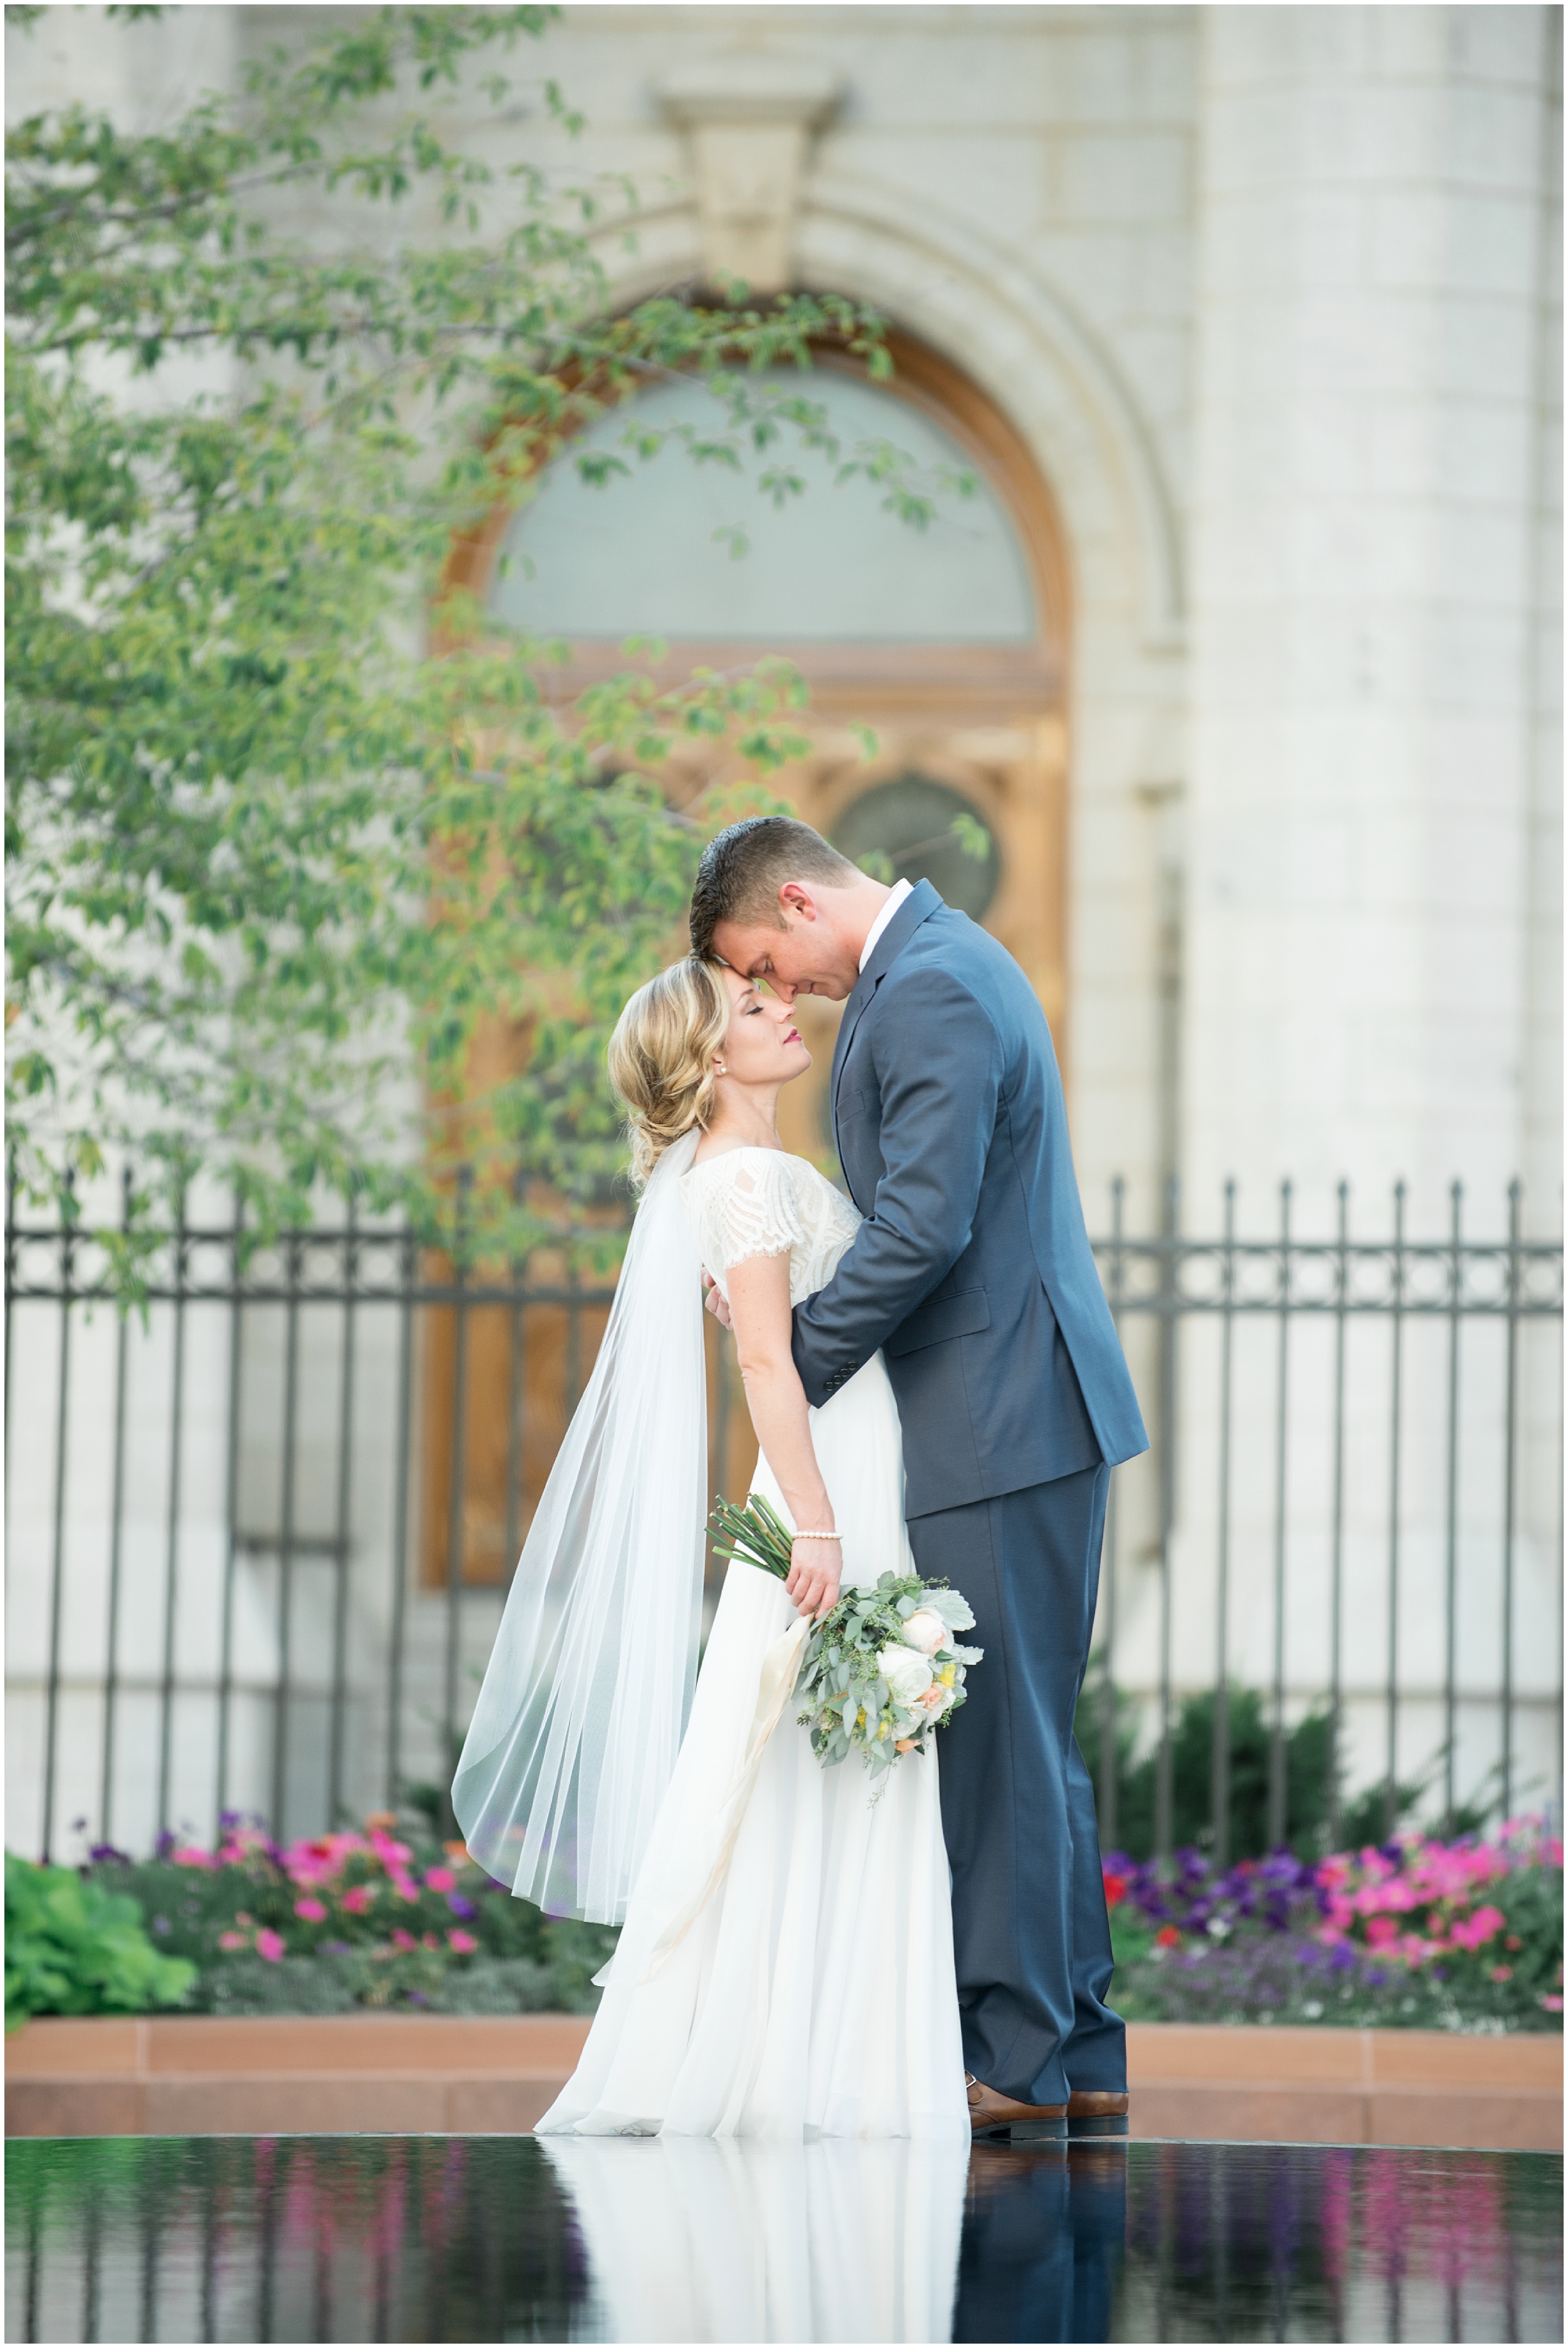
(816, 1536)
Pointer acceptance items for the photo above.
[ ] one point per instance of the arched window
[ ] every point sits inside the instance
(650, 551)
(949, 642)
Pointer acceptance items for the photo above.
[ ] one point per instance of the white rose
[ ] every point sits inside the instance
(926, 1631)
(905, 1673)
(935, 1700)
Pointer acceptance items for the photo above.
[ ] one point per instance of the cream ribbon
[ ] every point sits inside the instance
(775, 1684)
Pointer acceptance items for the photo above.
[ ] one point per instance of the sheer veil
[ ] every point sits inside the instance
(585, 1701)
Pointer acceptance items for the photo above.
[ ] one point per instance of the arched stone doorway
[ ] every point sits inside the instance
(951, 644)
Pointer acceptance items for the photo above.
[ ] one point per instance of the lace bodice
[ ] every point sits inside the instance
(751, 1202)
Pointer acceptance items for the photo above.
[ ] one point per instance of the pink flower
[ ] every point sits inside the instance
(440, 1878)
(463, 1944)
(233, 1941)
(401, 1940)
(312, 1910)
(392, 1855)
(357, 1898)
(428, 1940)
(1483, 1926)
(1381, 1930)
(270, 1944)
(404, 1887)
(1551, 2004)
(189, 1856)
(1503, 1972)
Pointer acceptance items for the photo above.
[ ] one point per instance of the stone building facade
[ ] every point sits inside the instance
(1250, 318)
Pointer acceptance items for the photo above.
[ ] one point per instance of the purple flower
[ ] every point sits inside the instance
(459, 1906)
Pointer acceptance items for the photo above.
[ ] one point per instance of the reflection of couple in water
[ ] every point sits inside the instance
(889, 2239)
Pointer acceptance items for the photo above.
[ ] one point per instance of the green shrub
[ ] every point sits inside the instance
(1364, 1818)
(71, 1947)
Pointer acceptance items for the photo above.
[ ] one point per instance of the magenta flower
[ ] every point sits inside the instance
(358, 1898)
(440, 1878)
(463, 1944)
(270, 1944)
(312, 1910)
(233, 1941)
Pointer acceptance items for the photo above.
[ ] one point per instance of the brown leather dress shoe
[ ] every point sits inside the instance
(1091, 2113)
(999, 2119)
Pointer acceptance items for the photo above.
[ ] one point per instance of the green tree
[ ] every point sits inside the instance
(270, 867)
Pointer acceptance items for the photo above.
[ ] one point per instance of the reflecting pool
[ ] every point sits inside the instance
(504, 2238)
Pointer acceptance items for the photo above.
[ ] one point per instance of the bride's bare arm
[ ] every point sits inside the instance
(760, 1314)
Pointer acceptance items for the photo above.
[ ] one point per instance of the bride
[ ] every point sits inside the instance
(785, 1965)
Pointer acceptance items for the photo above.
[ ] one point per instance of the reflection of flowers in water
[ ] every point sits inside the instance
(1259, 2236)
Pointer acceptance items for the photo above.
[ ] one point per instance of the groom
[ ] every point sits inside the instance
(973, 1274)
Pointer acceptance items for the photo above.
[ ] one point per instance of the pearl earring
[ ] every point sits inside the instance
(719, 1067)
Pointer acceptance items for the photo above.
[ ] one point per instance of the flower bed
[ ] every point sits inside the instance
(1413, 1933)
(386, 1918)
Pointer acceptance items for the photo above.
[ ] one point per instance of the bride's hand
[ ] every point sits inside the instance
(716, 1301)
(816, 1567)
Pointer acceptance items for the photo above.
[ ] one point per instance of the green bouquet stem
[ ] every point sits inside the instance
(756, 1534)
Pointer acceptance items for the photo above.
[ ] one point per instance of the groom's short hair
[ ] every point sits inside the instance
(745, 867)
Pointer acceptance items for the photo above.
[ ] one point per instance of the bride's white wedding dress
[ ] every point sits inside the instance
(812, 1993)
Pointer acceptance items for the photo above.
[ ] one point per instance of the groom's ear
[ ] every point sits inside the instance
(795, 898)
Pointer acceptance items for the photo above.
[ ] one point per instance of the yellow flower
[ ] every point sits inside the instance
(947, 1675)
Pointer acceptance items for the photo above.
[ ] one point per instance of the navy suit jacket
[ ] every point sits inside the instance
(972, 1271)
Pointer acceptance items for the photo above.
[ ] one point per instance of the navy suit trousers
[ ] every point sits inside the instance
(1030, 1933)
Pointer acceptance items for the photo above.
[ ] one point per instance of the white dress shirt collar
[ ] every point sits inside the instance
(891, 902)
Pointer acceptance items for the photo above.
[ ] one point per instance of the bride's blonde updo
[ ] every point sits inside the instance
(661, 1057)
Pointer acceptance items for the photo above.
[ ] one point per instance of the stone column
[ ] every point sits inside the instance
(1364, 917)
(1371, 822)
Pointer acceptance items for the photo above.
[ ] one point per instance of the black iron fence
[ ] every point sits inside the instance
(261, 1525)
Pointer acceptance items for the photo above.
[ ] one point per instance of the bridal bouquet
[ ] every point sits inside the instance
(882, 1670)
